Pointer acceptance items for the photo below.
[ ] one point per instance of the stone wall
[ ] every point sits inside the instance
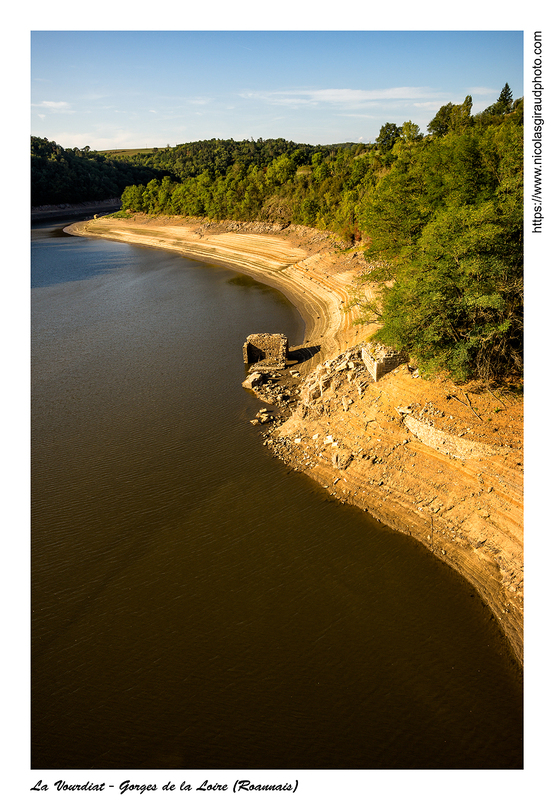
(445, 443)
(380, 359)
(266, 350)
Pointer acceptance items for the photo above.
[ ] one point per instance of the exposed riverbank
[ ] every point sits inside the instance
(61, 210)
(306, 265)
(447, 468)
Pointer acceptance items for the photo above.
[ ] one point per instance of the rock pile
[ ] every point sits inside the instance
(277, 388)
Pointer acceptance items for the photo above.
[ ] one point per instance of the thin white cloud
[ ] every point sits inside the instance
(55, 105)
(278, 98)
(359, 116)
(363, 95)
(118, 139)
(438, 101)
(481, 90)
(430, 104)
(344, 97)
(92, 96)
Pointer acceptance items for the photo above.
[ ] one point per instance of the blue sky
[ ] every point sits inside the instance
(116, 89)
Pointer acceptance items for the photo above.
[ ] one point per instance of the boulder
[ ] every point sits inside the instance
(255, 379)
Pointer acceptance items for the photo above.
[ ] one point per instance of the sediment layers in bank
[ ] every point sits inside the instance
(354, 437)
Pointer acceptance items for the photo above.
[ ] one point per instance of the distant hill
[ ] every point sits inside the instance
(216, 156)
(130, 151)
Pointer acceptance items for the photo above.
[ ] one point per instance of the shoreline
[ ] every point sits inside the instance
(348, 433)
(300, 262)
(39, 213)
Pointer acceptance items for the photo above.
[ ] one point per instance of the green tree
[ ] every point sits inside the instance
(460, 115)
(388, 135)
(410, 132)
(440, 124)
(73, 175)
(132, 198)
(464, 315)
(451, 117)
(505, 101)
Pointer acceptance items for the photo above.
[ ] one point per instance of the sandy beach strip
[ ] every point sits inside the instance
(301, 271)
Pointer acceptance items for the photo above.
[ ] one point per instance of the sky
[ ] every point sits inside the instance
(120, 89)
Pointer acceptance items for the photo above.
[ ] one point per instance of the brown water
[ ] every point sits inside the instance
(196, 605)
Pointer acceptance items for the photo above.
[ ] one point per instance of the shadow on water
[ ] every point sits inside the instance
(250, 284)
(297, 354)
(246, 282)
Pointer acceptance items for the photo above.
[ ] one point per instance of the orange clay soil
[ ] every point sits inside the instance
(447, 468)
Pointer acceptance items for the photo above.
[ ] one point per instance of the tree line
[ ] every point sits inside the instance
(215, 157)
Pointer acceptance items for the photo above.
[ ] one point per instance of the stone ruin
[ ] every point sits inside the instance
(380, 359)
(266, 351)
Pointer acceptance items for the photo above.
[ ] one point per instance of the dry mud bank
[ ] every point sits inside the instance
(436, 461)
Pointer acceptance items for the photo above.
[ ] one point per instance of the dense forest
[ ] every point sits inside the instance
(445, 230)
(215, 157)
(439, 216)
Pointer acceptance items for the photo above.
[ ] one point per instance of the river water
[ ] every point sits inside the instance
(194, 603)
